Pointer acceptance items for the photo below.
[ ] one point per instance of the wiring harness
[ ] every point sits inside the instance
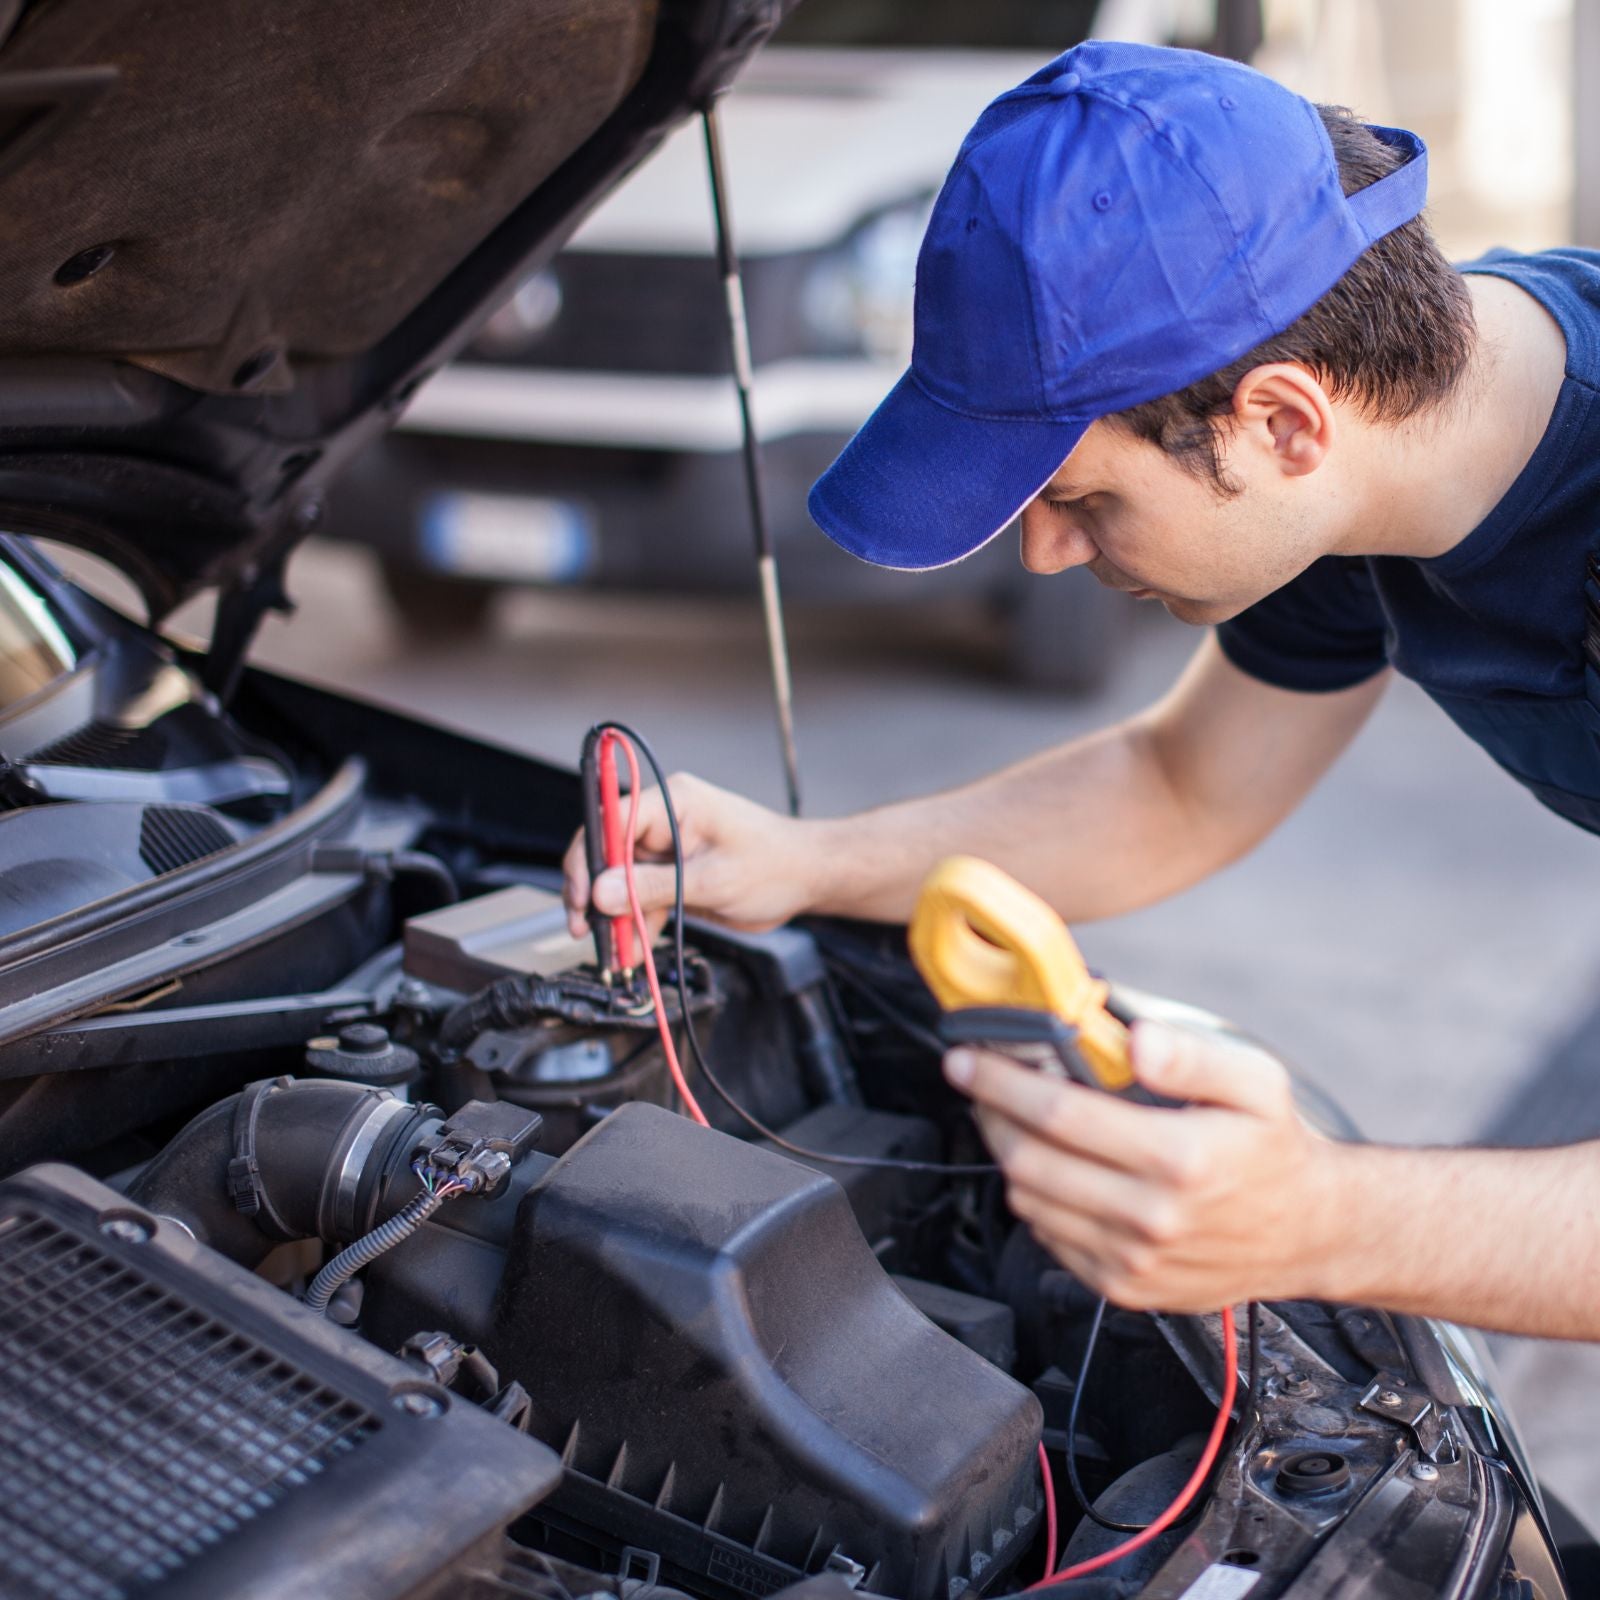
(1196, 1480)
(471, 1153)
(405, 1222)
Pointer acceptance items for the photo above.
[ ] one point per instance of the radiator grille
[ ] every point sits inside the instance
(135, 1430)
(667, 314)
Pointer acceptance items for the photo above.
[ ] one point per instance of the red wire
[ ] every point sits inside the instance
(1049, 1512)
(1202, 1471)
(680, 1083)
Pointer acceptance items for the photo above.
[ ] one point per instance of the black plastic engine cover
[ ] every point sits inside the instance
(735, 1383)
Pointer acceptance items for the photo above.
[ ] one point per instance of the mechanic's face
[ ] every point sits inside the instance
(1142, 523)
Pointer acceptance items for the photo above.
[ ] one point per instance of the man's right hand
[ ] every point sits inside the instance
(743, 864)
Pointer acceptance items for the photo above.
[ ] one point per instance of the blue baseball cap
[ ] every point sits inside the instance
(1125, 222)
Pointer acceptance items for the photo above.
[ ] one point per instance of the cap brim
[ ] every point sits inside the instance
(922, 486)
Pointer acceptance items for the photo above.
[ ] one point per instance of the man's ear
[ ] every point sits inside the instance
(1282, 408)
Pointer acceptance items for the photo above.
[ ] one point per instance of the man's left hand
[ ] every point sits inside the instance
(1176, 1209)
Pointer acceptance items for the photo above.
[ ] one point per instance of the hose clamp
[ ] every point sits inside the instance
(245, 1188)
(381, 1113)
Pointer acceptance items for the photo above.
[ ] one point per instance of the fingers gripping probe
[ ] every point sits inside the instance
(1010, 977)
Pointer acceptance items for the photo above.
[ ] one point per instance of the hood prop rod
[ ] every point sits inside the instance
(766, 560)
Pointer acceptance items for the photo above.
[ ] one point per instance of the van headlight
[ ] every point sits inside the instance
(526, 317)
(857, 298)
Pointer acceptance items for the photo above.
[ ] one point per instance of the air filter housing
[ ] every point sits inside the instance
(736, 1385)
(172, 1426)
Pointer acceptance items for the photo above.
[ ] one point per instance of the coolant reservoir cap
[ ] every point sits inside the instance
(363, 1052)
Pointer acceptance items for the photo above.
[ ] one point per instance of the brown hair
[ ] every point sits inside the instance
(1394, 333)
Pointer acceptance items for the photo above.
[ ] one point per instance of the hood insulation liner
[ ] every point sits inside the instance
(213, 188)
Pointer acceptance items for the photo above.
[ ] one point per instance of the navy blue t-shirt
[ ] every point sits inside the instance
(1494, 629)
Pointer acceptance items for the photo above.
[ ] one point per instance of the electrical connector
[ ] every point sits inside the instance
(478, 1145)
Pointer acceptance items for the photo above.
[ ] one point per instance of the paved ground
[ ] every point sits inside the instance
(1421, 938)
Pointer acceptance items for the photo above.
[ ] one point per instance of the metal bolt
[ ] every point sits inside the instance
(1296, 1383)
(1425, 1472)
(128, 1229)
(417, 1404)
(1388, 1398)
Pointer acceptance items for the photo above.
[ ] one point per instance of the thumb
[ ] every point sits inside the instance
(1188, 1066)
(657, 884)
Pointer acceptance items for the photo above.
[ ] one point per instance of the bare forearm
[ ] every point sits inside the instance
(1114, 821)
(1094, 826)
(1501, 1239)
(1098, 826)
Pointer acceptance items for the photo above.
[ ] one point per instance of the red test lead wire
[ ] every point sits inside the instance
(669, 1049)
(1049, 1513)
(1197, 1478)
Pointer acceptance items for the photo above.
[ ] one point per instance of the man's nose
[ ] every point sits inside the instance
(1052, 541)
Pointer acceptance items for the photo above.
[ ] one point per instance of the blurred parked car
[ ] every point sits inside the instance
(590, 435)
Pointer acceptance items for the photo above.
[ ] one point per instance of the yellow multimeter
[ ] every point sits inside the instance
(1010, 978)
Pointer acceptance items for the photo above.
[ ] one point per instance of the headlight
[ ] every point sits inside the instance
(857, 298)
(528, 314)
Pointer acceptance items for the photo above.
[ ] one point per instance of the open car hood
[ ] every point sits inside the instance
(237, 239)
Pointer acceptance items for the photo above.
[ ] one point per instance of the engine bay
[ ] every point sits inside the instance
(744, 1371)
(355, 1239)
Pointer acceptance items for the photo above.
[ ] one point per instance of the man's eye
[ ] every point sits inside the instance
(1067, 507)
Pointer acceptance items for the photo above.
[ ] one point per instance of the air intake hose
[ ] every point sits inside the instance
(286, 1159)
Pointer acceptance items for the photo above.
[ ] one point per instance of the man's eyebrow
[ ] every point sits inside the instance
(1062, 491)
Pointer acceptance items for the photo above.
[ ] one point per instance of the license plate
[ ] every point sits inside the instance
(518, 538)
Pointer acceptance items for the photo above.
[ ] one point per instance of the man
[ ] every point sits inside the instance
(1194, 331)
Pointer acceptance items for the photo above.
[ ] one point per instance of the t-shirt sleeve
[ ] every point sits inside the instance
(1322, 631)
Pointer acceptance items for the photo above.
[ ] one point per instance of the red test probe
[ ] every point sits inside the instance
(608, 841)
(605, 842)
